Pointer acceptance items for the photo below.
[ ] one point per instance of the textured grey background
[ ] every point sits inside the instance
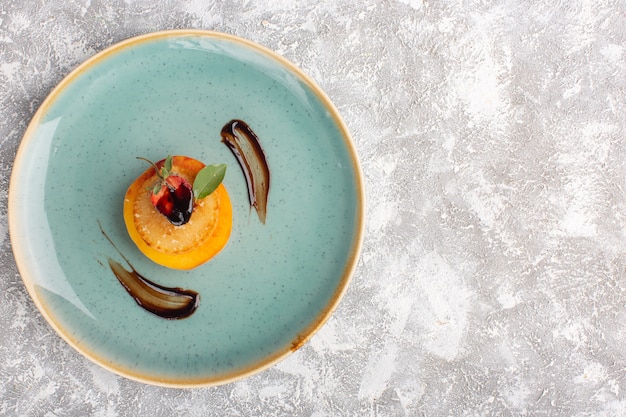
(492, 137)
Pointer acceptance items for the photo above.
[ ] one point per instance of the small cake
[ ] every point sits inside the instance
(174, 223)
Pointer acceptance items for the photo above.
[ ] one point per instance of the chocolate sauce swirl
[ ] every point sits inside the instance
(244, 144)
(168, 303)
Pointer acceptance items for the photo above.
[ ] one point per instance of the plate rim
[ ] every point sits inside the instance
(256, 366)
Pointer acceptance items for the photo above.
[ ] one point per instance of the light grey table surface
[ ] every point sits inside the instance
(492, 137)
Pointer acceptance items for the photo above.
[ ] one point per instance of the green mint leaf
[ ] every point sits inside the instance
(208, 179)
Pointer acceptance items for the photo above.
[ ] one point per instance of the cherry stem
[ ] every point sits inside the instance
(156, 168)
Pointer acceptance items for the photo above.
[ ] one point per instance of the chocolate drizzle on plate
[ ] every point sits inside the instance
(244, 144)
(168, 303)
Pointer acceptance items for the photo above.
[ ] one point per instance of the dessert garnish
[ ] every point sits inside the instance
(174, 197)
(244, 144)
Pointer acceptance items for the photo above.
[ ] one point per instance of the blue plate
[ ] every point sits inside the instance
(272, 286)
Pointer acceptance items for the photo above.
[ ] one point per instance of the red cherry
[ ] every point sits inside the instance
(172, 196)
(174, 200)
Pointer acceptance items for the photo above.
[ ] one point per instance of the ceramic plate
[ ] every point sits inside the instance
(272, 286)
